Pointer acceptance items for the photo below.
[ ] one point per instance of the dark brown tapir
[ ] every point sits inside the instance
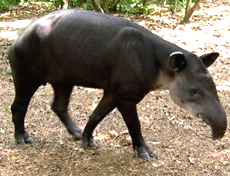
(83, 48)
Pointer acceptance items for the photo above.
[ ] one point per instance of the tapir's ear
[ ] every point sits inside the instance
(177, 61)
(208, 59)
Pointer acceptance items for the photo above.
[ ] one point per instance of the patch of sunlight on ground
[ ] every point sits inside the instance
(8, 28)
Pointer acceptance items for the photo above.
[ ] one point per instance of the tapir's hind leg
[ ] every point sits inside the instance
(62, 94)
(24, 90)
(105, 106)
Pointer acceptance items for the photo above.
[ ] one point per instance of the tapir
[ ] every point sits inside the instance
(68, 48)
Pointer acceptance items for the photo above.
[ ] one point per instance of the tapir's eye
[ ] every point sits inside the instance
(194, 94)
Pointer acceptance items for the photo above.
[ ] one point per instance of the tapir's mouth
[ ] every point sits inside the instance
(204, 119)
(216, 133)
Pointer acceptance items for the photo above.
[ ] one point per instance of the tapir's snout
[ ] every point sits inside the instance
(217, 120)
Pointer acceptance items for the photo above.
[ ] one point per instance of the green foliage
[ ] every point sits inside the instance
(176, 5)
(134, 7)
(4, 5)
(85, 4)
(77, 3)
(124, 6)
(57, 3)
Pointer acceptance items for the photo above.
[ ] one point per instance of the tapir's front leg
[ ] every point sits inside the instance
(129, 113)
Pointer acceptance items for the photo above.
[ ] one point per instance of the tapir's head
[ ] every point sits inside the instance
(194, 90)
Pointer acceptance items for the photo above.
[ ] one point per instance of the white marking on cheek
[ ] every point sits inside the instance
(190, 109)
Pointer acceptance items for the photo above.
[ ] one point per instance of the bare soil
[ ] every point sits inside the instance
(182, 142)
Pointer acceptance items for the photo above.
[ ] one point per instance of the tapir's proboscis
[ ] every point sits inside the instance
(70, 48)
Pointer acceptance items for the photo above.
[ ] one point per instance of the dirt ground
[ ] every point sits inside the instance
(182, 142)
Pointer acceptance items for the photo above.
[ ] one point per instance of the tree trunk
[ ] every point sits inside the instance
(188, 6)
(64, 4)
(97, 6)
(105, 5)
(189, 11)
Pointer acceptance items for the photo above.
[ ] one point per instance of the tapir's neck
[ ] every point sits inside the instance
(162, 51)
(163, 80)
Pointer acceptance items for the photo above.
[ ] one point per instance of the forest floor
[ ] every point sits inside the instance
(182, 142)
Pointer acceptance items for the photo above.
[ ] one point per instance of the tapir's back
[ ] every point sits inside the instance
(86, 48)
(72, 46)
(77, 26)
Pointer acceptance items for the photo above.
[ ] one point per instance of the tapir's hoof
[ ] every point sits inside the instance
(23, 139)
(145, 153)
(91, 143)
(77, 134)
